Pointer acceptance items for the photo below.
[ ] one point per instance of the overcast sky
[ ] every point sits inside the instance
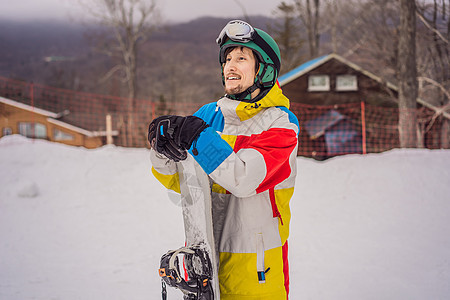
(171, 10)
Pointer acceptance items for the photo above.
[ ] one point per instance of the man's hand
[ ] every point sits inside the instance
(173, 135)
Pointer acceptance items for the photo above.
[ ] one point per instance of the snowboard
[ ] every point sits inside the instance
(196, 204)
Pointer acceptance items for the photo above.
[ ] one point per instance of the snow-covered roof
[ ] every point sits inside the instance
(28, 108)
(301, 70)
(71, 127)
(51, 116)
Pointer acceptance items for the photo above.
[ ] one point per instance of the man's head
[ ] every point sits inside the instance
(238, 35)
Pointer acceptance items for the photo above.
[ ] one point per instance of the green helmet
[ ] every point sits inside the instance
(240, 33)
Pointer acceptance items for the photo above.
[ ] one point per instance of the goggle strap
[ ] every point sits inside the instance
(266, 48)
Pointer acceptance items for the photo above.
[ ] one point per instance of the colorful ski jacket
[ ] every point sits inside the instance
(249, 151)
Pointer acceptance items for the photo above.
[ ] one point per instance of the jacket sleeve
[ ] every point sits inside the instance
(165, 171)
(257, 163)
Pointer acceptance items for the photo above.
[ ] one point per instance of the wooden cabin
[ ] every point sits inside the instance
(331, 80)
(343, 108)
(32, 122)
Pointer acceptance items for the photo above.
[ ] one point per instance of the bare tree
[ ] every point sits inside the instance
(131, 23)
(372, 38)
(310, 16)
(343, 22)
(407, 75)
(369, 32)
(287, 34)
(435, 59)
(334, 12)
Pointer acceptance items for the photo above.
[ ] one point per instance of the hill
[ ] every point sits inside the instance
(178, 62)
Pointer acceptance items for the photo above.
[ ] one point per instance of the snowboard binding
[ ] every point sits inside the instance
(195, 283)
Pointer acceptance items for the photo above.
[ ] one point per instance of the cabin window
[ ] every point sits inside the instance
(33, 130)
(318, 83)
(59, 135)
(6, 131)
(346, 83)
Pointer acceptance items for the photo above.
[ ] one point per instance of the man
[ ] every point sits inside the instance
(247, 143)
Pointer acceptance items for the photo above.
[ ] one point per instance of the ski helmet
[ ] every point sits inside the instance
(240, 33)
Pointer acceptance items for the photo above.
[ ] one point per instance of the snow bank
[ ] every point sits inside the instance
(92, 224)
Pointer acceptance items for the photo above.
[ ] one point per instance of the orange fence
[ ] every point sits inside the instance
(326, 131)
(88, 111)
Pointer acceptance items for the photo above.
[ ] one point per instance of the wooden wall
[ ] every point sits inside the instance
(11, 116)
(369, 90)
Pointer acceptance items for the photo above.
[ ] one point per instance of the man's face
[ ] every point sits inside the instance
(239, 70)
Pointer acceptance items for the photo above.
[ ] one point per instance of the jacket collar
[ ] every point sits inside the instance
(244, 110)
(273, 98)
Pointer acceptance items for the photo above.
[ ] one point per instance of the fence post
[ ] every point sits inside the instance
(363, 127)
(33, 121)
(109, 139)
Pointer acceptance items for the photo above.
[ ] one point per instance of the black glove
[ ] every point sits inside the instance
(173, 135)
(160, 140)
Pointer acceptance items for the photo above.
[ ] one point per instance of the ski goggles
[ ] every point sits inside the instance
(236, 30)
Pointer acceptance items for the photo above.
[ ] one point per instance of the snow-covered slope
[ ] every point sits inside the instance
(92, 224)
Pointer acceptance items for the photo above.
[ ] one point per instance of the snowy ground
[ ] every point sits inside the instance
(92, 224)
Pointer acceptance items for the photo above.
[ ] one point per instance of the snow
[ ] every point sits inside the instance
(93, 224)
